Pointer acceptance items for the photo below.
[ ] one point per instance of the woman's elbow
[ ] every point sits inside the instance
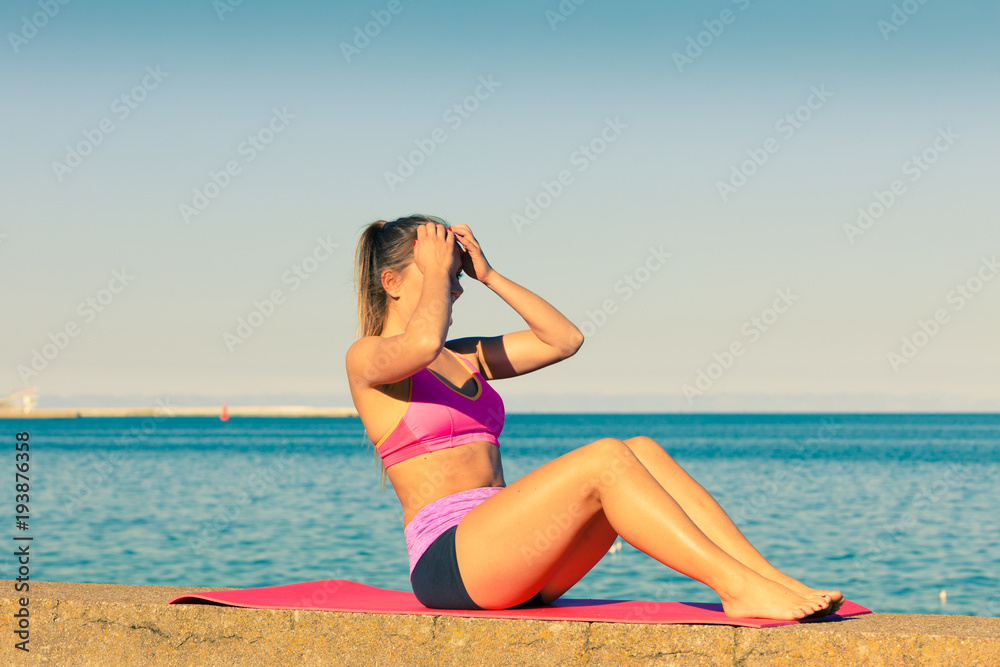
(573, 343)
(428, 349)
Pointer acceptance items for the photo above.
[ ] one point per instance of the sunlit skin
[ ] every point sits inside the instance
(580, 502)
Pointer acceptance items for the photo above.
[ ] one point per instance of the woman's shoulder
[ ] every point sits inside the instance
(374, 361)
(359, 347)
(359, 355)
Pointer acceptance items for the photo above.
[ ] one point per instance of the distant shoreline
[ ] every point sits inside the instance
(214, 411)
(307, 411)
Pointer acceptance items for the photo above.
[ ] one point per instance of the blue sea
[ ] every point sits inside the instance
(891, 509)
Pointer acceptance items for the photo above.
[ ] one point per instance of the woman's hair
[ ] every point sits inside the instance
(382, 246)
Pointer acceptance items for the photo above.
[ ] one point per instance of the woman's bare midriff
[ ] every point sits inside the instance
(428, 477)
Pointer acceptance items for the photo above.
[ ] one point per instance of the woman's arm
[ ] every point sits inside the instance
(376, 360)
(551, 336)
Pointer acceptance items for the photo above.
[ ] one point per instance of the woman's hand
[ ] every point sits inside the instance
(473, 260)
(434, 248)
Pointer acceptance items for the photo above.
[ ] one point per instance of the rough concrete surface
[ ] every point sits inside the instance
(107, 624)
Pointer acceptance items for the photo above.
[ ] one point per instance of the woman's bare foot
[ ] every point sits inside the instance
(779, 577)
(758, 597)
(836, 597)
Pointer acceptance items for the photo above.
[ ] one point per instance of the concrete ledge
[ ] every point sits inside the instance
(103, 624)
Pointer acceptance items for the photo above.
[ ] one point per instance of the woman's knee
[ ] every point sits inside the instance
(642, 445)
(608, 448)
(610, 459)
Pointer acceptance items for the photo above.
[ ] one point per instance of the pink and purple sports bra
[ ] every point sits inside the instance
(439, 417)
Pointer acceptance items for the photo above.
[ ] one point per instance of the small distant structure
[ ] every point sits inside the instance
(225, 413)
(20, 401)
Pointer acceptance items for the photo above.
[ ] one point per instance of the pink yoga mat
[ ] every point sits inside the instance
(344, 595)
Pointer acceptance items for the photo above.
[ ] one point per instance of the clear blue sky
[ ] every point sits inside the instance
(739, 138)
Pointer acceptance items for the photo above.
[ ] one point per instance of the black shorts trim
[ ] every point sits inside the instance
(437, 582)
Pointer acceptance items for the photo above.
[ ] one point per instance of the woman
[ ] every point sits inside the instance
(473, 541)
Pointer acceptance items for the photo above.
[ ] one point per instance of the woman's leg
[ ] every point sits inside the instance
(593, 545)
(709, 516)
(697, 503)
(512, 544)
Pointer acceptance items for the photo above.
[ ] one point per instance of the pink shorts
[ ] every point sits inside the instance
(440, 515)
